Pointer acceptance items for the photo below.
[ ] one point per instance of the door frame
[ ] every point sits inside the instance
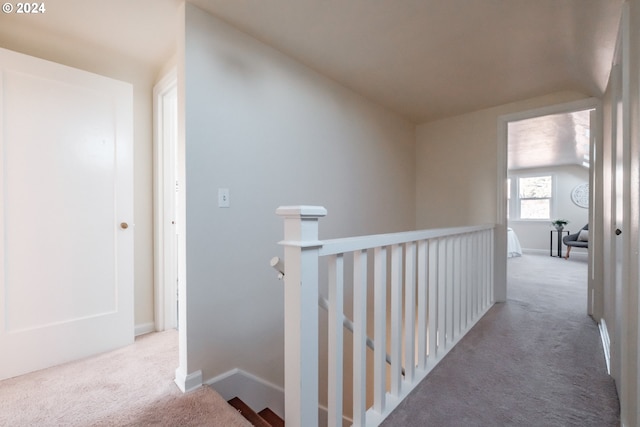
(166, 260)
(595, 296)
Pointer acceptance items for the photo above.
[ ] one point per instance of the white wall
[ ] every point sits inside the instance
(535, 234)
(79, 54)
(456, 164)
(274, 133)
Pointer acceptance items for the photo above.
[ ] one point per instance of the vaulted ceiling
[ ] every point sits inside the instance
(428, 59)
(424, 59)
(553, 140)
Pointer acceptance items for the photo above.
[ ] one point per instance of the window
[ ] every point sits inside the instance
(530, 198)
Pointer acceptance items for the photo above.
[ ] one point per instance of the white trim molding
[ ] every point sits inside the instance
(606, 343)
(144, 328)
(188, 382)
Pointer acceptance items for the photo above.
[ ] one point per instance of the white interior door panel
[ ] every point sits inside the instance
(66, 282)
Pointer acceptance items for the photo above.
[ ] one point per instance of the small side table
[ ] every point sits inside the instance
(559, 235)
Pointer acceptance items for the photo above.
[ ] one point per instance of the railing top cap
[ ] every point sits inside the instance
(302, 211)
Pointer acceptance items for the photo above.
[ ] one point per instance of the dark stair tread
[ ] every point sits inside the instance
(248, 413)
(271, 417)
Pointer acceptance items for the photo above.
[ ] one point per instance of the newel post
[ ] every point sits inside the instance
(301, 246)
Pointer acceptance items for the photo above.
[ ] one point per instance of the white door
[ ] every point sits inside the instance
(617, 246)
(620, 348)
(66, 219)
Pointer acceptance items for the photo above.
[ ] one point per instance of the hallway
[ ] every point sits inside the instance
(536, 360)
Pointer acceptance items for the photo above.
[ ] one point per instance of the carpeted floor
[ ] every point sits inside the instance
(535, 360)
(131, 386)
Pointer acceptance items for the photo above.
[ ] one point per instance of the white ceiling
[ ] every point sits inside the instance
(432, 58)
(558, 139)
(144, 30)
(424, 59)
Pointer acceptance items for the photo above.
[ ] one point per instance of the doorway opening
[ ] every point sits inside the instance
(547, 167)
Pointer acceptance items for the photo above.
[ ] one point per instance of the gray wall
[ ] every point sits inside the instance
(275, 133)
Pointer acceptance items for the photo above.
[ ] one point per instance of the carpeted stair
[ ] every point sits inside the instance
(264, 418)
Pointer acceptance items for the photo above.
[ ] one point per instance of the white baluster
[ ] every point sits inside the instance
(492, 243)
(456, 260)
(489, 299)
(442, 292)
(410, 312)
(396, 319)
(336, 350)
(449, 262)
(434, 300)
(485, 270)
(485, 256)
(464, 273)
(477, 259)
(422, 304)
(359, 338)
(380, 332)
(469, 279)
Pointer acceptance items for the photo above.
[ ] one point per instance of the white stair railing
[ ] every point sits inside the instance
(440, 283)
(278, 265)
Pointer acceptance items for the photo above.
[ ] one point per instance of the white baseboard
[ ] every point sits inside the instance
(144, 328)
(534, 251)
(574, 252)
(253, 390)
(188, 382)
(606, 343)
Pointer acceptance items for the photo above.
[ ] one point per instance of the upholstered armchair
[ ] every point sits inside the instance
(579, 239)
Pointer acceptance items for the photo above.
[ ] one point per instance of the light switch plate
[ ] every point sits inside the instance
(223, 198)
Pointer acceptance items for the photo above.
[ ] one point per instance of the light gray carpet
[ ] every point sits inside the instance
(535, 360)
(132, 386)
